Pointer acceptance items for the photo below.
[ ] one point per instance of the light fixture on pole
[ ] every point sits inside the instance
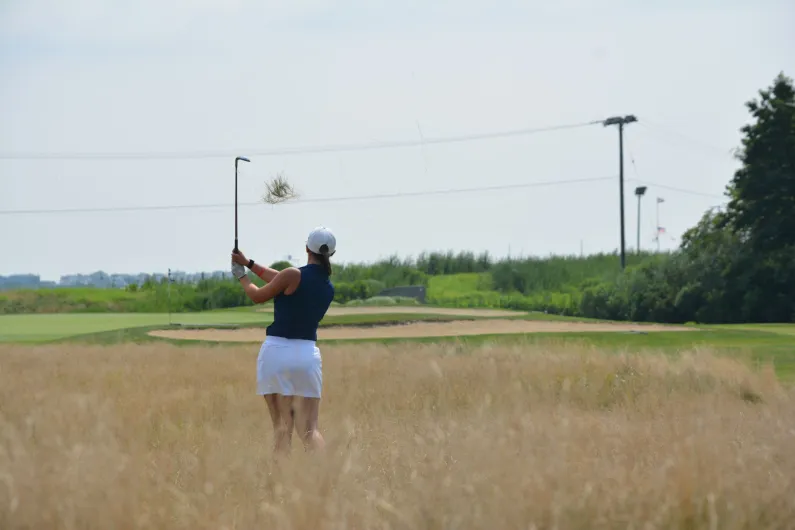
(639, 192)
(621, 121)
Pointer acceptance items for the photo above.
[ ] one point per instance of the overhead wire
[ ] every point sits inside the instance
(674, 188)
(653, 127)
(665, 186)
(351, 197)
(422, 142)
(309, 200)
(292, 150)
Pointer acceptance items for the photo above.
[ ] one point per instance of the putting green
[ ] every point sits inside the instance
(45, 327)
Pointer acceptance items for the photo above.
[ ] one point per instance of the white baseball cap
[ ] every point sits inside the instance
(319, 238)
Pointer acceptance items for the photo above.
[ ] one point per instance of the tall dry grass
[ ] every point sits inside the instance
(418, 437)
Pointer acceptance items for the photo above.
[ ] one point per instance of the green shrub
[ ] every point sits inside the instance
(281, 265)
(383, 301)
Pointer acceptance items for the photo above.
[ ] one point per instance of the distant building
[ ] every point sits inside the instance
(20, 281)
(104, 280)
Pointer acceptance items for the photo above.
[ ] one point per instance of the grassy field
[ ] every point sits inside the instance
(93, 326)
(419, 436)
(46, 327)
(478, 290)
(753, 344)
(552, 285)
(771, 344)
(786, 329)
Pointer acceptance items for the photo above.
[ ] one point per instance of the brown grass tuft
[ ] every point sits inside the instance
(424, 436)
(278, 190)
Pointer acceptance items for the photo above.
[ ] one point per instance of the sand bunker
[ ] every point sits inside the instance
(415, 310)
(419, 329)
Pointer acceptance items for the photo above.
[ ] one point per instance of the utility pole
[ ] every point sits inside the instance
(639, 191)
(621, 121)
(659, 228)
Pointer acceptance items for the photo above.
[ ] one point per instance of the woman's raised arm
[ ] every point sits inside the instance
(265, 273)
(285, 281)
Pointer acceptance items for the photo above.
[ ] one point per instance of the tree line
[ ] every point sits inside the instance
(737, 264)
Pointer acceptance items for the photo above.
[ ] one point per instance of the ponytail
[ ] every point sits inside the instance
(323, 258)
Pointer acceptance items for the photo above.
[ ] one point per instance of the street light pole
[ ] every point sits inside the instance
(639, 191)
(621, 121)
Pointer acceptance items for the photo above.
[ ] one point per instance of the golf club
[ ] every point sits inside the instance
(244, 159)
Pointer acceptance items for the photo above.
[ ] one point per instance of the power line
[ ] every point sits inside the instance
(653, 127)
(292, 150)
(681, 190)
(310, 200)
(665, 186)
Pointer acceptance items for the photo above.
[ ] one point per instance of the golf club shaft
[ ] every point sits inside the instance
(244, 159)
(236, 249)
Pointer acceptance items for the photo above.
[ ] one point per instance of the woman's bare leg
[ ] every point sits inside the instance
(280, 408)
(306, 422)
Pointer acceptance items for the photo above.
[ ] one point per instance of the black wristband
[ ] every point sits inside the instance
(251, 264)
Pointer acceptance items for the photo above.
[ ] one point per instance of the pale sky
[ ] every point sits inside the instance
(244, 77)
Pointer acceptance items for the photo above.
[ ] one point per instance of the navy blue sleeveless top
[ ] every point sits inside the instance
(296, 316)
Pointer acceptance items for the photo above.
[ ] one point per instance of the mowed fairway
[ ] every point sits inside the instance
(47, 327)
(419, 436)
(786, 329)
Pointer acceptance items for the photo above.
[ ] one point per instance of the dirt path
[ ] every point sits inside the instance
(416, 310)
(419, 329)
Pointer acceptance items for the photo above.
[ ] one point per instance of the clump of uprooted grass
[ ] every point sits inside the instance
(278, 190)
(423, 436)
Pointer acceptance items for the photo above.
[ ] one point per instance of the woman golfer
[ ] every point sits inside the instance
(289, 365)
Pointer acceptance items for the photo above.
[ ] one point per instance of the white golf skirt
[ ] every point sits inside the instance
(291, 367)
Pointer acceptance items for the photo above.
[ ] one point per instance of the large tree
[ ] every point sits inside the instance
(746, 256)
(735, 266)
(762, 205)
